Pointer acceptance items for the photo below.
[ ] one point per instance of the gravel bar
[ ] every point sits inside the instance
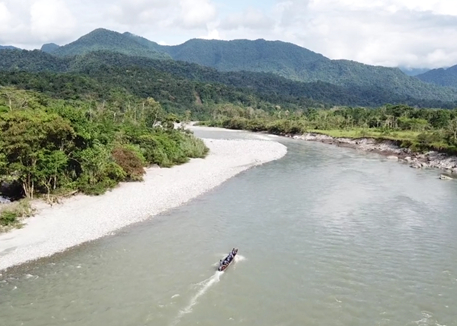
(84, 218)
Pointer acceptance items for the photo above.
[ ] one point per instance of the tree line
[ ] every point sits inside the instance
(54, 146)
(417, 129)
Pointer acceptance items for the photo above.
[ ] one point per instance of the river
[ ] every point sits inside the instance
(326, 236)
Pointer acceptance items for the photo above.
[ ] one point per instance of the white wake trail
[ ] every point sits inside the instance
(204, 287)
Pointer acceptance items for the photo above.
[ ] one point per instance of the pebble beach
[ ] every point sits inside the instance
(82, 218)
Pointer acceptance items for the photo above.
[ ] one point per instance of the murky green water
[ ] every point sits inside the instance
(327, 236)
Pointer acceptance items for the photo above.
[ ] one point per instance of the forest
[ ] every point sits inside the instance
(417, 129)
(179, 86)
(53, 147)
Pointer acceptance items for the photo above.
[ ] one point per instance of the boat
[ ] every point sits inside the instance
(224, 263)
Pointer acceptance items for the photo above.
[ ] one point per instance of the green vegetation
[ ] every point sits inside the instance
(181, 86)
(50, 146)
(442, 77)
(417, 129)
(299, 64)
(93, 113)
(102, 39)
(12, 214)
(333, 82)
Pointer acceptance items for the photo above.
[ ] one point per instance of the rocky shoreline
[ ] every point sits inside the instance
(389, 148)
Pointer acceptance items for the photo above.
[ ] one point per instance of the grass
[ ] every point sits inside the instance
(11, 215)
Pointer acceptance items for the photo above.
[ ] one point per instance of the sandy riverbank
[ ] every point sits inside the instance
(82, 218)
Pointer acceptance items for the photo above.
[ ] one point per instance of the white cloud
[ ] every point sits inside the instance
(196, 13)
(212, 34)
(51, 20)
(251, 18)
(413, 33)
(5, 18)
(387, 32)
(139, 12)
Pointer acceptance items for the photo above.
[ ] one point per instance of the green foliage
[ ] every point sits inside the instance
(48, 145)
(417, 129)
(442, 77)
(102, 39)
(131, 161)
(8, 218)
(299, 64)
(12, 214)
(29, 139)
(181, 86)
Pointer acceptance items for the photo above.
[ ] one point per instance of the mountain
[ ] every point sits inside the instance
(50, 47)
(102, 39)
(294, 62)
(36, 61)
(413, 71)
(8, 47)
(284, 59)
(442, 77)
(169, 81)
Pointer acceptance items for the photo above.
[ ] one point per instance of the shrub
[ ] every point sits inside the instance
(8, 217)
(130, 161)
(11, 214)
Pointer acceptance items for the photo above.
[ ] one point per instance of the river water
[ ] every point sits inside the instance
(326, 236)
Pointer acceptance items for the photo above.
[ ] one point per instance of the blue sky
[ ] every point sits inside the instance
(409, 33)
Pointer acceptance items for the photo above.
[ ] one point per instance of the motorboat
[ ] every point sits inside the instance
(224, 263)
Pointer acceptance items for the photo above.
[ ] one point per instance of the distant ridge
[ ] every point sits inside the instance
(152, 77)
(50, 47)
(8, 47)
(413, 71)
(442, 77)
(102, 39)
(283, 59)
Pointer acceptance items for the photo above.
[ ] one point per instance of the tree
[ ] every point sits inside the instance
(29, 140)
(452, 131)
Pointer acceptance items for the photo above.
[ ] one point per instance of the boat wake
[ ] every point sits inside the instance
(239, 258)
(203, 286)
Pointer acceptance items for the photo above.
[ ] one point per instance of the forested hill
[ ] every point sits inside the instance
(166, 79)
(49, 47)
(102, 39)
(297, 63)
(23, 60)
(280, 58)
(285, 59)
(442, 77)
(8, 47)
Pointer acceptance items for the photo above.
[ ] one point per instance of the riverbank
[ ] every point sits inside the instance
(389, 148)
(83, 218)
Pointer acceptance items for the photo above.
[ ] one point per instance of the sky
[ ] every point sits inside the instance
(406, 33)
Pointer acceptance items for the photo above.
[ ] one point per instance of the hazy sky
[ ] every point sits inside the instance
(411, 33)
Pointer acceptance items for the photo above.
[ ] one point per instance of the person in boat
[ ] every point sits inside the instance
(228, 259)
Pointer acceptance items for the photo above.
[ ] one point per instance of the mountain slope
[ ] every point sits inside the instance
(284, 59)
(297, 63)
(8, 47)
(442, 77)
(36, 61)
(151, 81)
(102, 39)
(413, 71)
(50, 47)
